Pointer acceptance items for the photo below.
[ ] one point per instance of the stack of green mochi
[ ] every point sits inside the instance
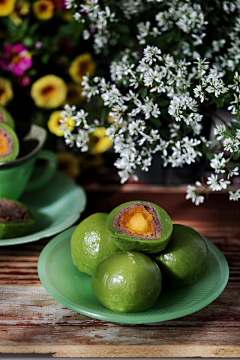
(9, 143)
(133, 252)
(15, 218)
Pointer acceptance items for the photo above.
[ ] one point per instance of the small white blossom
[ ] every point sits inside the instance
(193, 195)
(198, 92)
(234, 195)
(217, 184)
(218, 163)
(231, 144)
(220, 131)
(202, 66)
(150, 109)
(151, 54)
(238, 134)
(68, 111)
(233, 172)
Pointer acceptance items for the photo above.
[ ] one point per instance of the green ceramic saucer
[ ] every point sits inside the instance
(72, 288)
(56, 206)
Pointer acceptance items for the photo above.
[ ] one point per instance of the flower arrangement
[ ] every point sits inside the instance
(173, 63)
(160, 71)
(42, 60)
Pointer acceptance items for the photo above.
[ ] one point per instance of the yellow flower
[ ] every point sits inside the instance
(74, 94)
(6, 7)
(43, 9)
(6, 92)
(49, 91)
(21, 9)
(89, 161)
(110, 119)
(54, 123)
(64, 14)
(80, 66)
(99, 142)
(69, 164)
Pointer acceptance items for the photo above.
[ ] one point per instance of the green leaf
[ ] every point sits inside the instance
(32, 72)
(143, 92)
(171, 36)
(165, 134)
(127, 41)
(209, 156)
(104, 114)
(238, 116)
(28, 41)
(25, 26)
(64, 59)
(235, 125)
(234, 165)
(219, 101)
(45, 58)
(121, 27)
(156, 122)
(236, 156)
(163, 103)
(33, 28)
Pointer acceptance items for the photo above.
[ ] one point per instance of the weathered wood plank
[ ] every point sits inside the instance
(32, 305)
(108, 334)
(128, 351)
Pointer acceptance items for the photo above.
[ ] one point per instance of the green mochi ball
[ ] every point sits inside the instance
(90, 243)
(7, 137)
(133, 237)
(6, 117)
(13, 229)
(127, 282)
(185, 259)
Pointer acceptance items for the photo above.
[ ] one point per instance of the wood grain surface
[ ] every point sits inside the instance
(31, 321)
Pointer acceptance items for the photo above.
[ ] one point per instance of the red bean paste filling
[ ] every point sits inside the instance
(154, 222)
(11, 212)
(2, 117)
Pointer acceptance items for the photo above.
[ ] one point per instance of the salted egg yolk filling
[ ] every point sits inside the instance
(138, 222)
(3, 145)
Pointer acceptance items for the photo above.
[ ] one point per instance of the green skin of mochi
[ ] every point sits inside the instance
(129, 243)
(9, 230)
(127, 282)
(8, 117)
(90, 243)
(185, 259)
(15, 150)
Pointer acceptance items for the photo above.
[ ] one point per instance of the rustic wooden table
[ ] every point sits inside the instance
(31, 321)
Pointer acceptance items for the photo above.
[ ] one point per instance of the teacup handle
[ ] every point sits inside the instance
(43, 175)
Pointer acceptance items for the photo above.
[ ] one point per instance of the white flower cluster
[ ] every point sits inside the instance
(221, 164)
(81, 138)
(99, 20)
(154, 75)
(186, 15)
(155, 99)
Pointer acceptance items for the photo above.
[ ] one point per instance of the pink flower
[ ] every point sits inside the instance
(16, 58)
(38, 45)
(24, 80)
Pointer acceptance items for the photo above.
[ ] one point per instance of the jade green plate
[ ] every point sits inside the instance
(66, 284)
(56, 207)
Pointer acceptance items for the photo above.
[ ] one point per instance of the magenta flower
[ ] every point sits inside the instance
(60, 4)
(15, 58)
(24, 80)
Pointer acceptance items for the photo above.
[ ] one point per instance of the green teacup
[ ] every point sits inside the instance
(15, 176)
